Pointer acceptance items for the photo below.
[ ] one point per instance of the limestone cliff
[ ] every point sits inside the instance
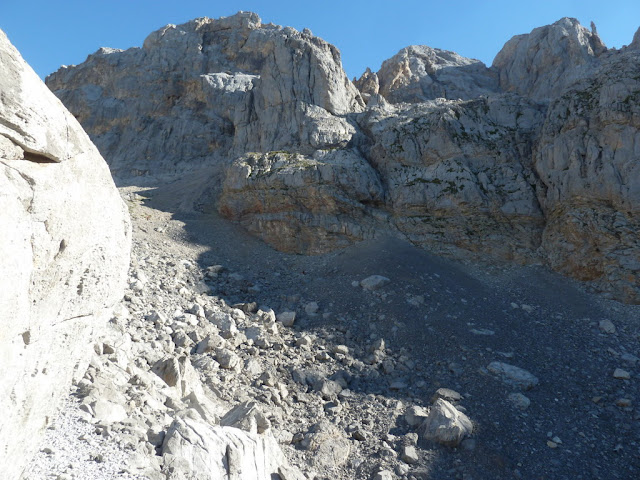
(530, 160)
(206, 90)
(419, 73)
(64, 244)
(541, 64)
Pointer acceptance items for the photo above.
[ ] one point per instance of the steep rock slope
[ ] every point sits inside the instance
(587, 161)
(64, 241)
(457, 175)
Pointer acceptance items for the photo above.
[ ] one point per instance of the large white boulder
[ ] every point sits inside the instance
(64, 248)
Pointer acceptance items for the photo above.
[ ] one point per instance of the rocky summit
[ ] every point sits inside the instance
(428, 272)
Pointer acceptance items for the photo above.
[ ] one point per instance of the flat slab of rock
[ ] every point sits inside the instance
(445, 424)
(374, 282)
(514, 376)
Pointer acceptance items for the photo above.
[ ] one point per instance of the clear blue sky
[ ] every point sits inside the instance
(51, 33)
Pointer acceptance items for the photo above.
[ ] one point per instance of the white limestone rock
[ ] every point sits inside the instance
(206, 90)
(445, 424)
(64, 243)
(419, 73)
(199, 451)
(543, 63)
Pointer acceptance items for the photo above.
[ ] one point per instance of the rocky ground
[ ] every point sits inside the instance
(429, 369)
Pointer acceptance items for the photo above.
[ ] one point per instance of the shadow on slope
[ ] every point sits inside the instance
(446, 322)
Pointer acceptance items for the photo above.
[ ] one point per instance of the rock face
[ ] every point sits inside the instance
(208, 89)
(64, 241)
(540, 65)
(307, 204)
(587, 161)
(419, 73)
(531, 160)
(455, 171)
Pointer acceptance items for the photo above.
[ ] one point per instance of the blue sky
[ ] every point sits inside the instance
(52, 33)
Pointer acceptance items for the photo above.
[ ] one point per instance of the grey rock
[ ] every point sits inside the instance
(416, 415)
(445, 424)
(515, 376)
(220, 452)
(287, 318)
(328, 445)
(621, 374)
(384, 475)
(105, 411)
(519, 400)
(607, 326)
(409, 454)
(543, 63)
(246, 416)
(228, 359)
(419, 73)
(446, 394)
(374, 282)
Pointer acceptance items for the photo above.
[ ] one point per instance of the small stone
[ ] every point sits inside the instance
(311, 308)
(287, 318)
(398, 385)
(48, 451)
(374, 282)
(621, 374)
(552, 444)
(623, 402)
(409, 454)
(415, 415)
(341, 349)
(359, 435)
(607, 326)
(519, 400)
(482, 331)
(514, 376)
(227, 359)
(304, 341)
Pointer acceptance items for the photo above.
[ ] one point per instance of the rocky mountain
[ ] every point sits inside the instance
(530, 160)
(65, 240)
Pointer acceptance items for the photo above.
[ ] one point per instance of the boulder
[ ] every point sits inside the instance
(513, 376)
(198, 451)
(445, 424)
(64, 242)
